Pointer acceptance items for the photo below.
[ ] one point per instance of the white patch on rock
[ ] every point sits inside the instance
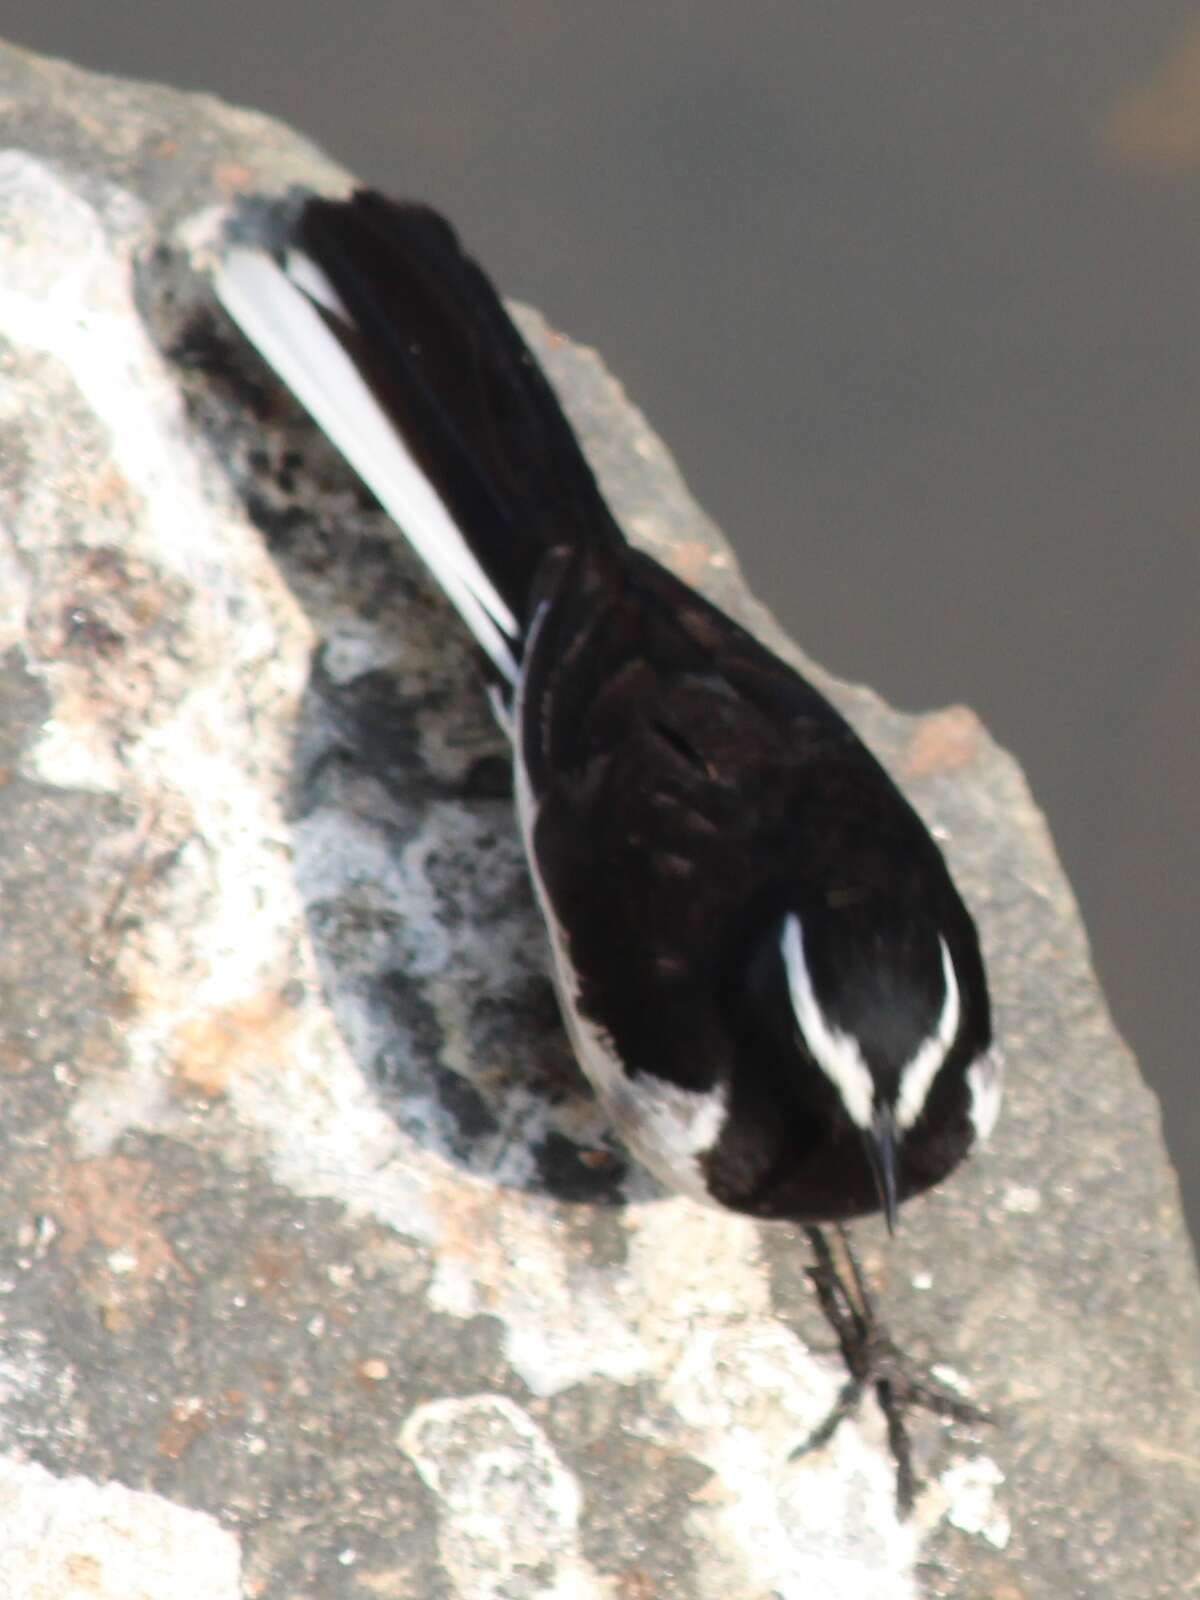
(985, 1080)
(563, 1323)
(200, 733)
(66, 1538)
(823, 1524)
(970, 1489)
(355, 649)
(509, 1510)
(566, 1321)
(1021, 1199)
(83, 316)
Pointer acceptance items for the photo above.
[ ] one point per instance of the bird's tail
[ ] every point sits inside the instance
(400, 348)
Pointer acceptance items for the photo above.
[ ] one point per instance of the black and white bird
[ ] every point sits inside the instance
(763, 964)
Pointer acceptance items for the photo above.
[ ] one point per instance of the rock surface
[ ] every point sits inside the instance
(319, 1272)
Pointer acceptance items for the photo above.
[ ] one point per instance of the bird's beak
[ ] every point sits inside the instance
(881, 1141)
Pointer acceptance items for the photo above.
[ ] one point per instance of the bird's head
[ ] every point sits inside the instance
(863, 1024)
(895, 1022)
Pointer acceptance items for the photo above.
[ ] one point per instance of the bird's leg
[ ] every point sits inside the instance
(874, 1360)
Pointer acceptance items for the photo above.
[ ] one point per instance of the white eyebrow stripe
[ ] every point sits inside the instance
(916, 1080)
(835, 1052)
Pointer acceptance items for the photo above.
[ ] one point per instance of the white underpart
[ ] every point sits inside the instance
(277, 311)
(666, 1127)
(917, 1077)
(836, 1053)
(985, 1082)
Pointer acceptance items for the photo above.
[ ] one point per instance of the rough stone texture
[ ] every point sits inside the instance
(319, 1272)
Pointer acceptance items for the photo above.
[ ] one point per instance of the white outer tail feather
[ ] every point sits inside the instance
(277, 311)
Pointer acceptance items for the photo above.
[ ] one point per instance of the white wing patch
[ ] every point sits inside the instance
(277, 311)
(917, 1077)
(836, 1053)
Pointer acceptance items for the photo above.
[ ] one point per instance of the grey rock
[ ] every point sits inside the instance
(320, 1273)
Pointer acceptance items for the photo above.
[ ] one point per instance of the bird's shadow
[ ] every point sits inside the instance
(429, 945)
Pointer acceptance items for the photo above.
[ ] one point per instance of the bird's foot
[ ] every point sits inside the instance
(874, 1360)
